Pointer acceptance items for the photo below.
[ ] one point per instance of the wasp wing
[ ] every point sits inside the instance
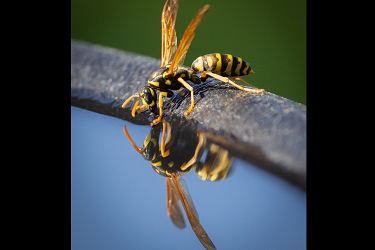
(192, 214)
(173, 207)
(188, 36)
(168, 37)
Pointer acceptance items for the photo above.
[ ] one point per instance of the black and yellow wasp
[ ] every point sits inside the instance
(172, 75)
(181, 150)
(186, 149)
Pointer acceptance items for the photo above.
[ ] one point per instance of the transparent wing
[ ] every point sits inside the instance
(188, 36)
(173, 207)
(192, 214)
(185, 191)
(168, 37)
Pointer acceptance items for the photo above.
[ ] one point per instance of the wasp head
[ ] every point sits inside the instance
(149, 98)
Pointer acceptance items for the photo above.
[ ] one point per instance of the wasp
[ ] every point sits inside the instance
(172, 75)
(217, 164)
(172, 170)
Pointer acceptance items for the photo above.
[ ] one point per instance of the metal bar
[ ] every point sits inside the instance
(268, 130)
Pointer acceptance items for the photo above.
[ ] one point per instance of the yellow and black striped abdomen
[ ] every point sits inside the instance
(222, 64)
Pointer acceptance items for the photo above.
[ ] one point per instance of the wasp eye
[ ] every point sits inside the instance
(146, 94)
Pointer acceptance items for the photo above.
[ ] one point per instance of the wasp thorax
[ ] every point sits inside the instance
(157, 74)
(197, 65)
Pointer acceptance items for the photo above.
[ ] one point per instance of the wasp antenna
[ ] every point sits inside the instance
(132, 142)
(128, 100)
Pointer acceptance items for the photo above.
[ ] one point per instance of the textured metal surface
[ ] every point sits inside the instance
(268, 131)
(102, 78)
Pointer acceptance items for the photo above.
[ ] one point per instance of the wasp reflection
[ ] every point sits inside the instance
(174, 148)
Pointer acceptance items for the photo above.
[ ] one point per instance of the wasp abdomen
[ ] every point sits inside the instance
(222, 64)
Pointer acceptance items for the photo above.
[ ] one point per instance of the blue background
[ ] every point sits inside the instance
(119, 202)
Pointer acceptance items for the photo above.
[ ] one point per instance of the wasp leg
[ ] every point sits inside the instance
(226, 80)
(237, 78)
(162, 147)
(156, 121)
(202, 140)
(186, 85)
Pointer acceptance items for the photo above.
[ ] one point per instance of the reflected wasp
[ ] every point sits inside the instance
(178, 153)
(172, 75)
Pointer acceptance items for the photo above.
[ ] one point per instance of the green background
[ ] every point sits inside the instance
(269, 34)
